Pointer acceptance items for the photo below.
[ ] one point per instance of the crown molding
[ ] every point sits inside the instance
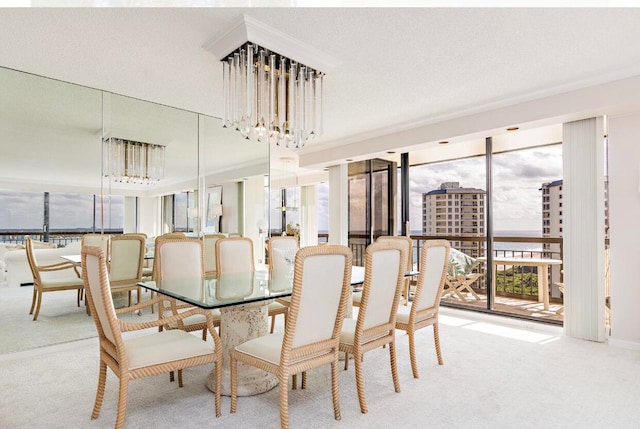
(248, 29)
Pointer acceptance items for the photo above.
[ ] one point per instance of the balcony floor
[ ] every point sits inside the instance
(516, 306)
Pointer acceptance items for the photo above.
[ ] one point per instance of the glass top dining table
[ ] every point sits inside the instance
(227, 289)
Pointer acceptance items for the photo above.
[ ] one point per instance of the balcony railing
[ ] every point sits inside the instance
(59, 238)
(512, 282)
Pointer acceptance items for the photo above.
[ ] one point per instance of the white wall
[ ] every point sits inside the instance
(624, 216)
(149, 215)
(230, 207)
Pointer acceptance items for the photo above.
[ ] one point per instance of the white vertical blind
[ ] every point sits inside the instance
(583, 229)
(339, 204)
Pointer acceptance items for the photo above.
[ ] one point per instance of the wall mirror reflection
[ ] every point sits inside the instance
(55, 186)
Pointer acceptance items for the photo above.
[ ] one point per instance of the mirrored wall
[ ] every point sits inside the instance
(51, 139)
(51, 143)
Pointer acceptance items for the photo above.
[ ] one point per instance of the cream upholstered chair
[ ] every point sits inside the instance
(407, 242)
(210, 253)
(235, 255)
(177, 258)
(385, 264)
(279, 248)
(321, 287)
(100, 240)
(126, 263)
(142, 355)
(423, 311)
(41, 284)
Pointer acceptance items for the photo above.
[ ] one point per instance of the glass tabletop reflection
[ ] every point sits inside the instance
(226, 289)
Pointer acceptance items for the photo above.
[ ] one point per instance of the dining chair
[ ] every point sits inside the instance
(423, 310)
(235, 255)
(280, 248)
(311, 338)
(210, 253)
(407, 242)
(375, 326)
(141, 355)
(101, 240)
(42, 284)
(179, 258)
(126, 263)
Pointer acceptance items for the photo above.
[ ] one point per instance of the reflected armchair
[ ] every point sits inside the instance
(42, 284)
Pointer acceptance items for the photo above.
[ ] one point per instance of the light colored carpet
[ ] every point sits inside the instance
(59, 321)
(494, 376)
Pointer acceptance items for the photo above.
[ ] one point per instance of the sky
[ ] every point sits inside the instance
(25, 210)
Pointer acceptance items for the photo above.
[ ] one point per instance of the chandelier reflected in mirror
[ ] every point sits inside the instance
(128, 161)
(269, 97)
(272, 83)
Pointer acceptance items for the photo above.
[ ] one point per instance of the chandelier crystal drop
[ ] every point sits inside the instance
(271, 98)
(128, 161)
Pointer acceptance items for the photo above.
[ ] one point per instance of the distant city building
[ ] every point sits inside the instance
(453, 210)
(552, 213)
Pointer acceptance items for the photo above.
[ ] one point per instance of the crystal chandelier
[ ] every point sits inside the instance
(128, 161)
(272, 82)
(269, 97)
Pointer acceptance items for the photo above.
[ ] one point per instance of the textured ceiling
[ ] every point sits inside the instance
(397, 68)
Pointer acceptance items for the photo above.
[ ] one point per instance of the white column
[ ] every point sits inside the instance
(308, 215)
(583, 230)
(130, 215)
(624, 212)
(339, 204)
(150, 215)
(253, 209)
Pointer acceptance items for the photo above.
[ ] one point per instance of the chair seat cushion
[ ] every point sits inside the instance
(276, 307)
(347, 335)
(165, 346)
(402, 316)
(60, 282)
(267, 348)
(196, 319)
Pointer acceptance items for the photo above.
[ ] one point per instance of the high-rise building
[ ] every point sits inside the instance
(552, 213)
(453, 210)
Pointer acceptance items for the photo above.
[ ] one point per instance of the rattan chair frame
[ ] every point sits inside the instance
(114, 354)
(294, 360)
(419, 319)
(380, 335)
(170, 305)
(40, 286)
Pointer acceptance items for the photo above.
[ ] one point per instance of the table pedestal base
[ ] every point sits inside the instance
(238, 324)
